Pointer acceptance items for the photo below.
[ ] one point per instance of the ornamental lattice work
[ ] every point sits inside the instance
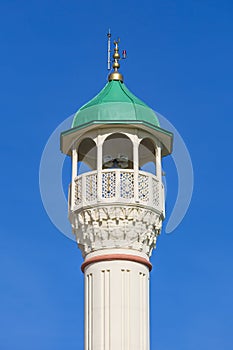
(155, 192)
(126, 185)
(143, 188)
(78, 191)
(91, 187)
(109, 185)
(118, 185)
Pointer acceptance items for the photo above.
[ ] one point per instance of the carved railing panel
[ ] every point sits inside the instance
(118, 185)
(155, 192)
(126, 185)
(143, 188)
(109, 184)
(91, 187)
(78, 191)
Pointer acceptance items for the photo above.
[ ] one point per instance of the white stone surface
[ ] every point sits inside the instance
(116, 227)
(116, 306)
(121, 251)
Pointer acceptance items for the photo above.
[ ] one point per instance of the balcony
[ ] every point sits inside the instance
(118, 186)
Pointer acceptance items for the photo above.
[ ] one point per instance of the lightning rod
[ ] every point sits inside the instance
(109, 49)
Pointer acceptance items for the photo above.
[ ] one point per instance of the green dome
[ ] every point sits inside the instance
(115, 103)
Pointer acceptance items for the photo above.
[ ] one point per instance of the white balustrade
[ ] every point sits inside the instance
(117, 185)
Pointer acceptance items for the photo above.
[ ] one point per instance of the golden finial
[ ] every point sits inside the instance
(116, 65)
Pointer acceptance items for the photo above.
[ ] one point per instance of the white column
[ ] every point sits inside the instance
(99, 166)
(158, 163)
(159, 176)
(73, 174)
(116, 305)
(136, 167)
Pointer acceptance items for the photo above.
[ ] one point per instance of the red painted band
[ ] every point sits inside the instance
(110, 257)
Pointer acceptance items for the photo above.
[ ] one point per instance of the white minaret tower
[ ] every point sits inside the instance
(116, 209)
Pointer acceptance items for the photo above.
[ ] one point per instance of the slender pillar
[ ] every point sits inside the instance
(74, 174)
(158, 163)
(99, 166)
(135, 167)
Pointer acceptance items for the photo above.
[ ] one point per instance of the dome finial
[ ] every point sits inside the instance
(116, 65)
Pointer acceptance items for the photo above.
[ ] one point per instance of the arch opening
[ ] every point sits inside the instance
(87, 156)
(117, 152)
(147, 156)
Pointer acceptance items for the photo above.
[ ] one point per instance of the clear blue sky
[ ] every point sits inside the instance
(180, 62)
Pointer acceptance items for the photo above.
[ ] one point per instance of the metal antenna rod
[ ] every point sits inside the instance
(109, 49)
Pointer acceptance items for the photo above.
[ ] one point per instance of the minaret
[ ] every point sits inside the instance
(116, 209)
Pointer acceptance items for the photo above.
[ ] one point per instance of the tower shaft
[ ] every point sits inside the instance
(116, 303)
